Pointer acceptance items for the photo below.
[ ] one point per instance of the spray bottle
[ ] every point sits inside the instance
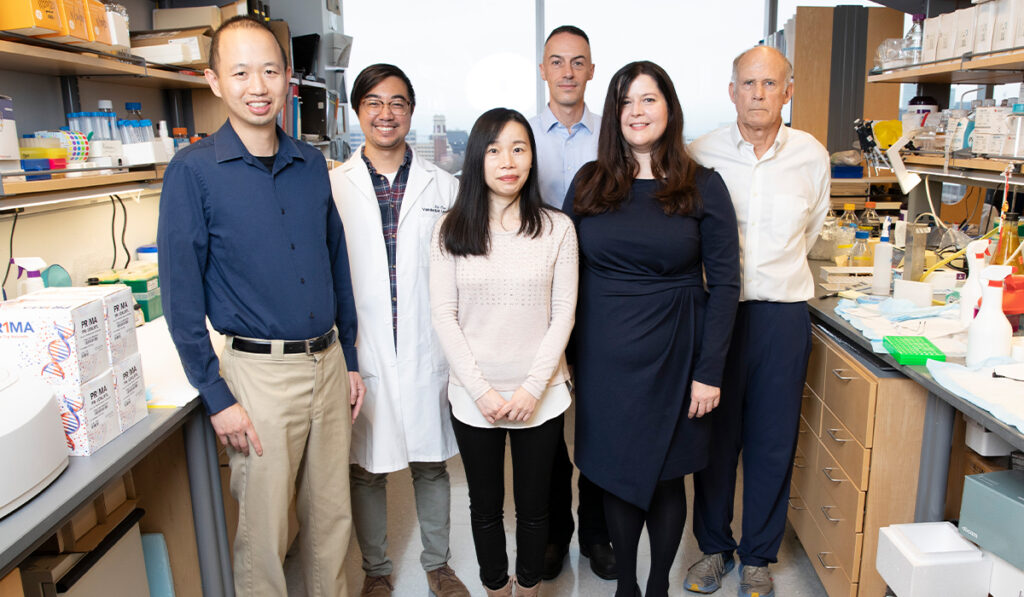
(30, 274)
(990, 334)
(970, 293)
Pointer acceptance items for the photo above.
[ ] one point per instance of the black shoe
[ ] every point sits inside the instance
(554, 556)
(602, 559)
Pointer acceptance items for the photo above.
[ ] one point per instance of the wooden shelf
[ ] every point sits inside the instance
(988, 165)
(81, 182)
(38, 60)
(990, 69)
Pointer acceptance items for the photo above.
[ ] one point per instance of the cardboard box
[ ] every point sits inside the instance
(120, 37)
(984, 25)
(1004, 24)
(99, 27)
(234, 9)
(30, 17)
(929, 558)
(62, 340)
(118, 319)
(186, 47)
(947, 36)
(72, 23)
(130, 388)
(89, 413)
(964, 31)
(930, 38)
(992, 513)
(1018, 23)
(186, 18)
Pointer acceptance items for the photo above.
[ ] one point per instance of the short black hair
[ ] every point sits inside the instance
(372, 75)
(571, 30)
(241, 22)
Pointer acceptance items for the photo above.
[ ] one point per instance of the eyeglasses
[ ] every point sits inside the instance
(398, 107)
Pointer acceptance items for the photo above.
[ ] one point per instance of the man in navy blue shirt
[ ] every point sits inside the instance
(250, 237)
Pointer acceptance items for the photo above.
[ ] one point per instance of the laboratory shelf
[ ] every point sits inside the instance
(83, 182)
(986, 164)
(990, 69)
(25, 58)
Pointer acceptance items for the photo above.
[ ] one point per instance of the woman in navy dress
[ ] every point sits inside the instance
(659, 286)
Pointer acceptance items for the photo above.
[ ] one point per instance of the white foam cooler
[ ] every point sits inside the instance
(929, 559)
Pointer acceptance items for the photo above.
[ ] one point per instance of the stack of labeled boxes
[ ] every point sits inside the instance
(82, 342)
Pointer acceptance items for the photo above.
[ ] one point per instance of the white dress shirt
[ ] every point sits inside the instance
(781, 200)
(561, 151)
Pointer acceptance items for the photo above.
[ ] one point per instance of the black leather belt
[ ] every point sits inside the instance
(289, 346)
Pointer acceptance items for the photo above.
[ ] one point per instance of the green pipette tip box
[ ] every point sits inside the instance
(912, 350)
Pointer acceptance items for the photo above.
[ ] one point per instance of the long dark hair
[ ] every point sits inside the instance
(602, 185)
(466, 227)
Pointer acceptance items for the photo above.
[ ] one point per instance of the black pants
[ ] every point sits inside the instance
(593, 528)
(483, 455)
(664, 517)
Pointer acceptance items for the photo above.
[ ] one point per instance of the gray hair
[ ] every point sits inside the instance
(736, 62)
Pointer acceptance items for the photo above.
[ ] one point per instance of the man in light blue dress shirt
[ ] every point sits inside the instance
(566, 133)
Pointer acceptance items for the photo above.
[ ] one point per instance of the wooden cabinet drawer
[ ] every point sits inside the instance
(810, 410)
(824, 560)
(838, 512)
(816, 363)
(851, 456)
(850, 393)
(842, 494)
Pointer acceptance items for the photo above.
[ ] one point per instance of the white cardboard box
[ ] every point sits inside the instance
(118, 316)
(89, 413)
(984, 24)
(964, 31)
(929, 559)
(1005, 21)
(1018, 23)
(130, 389)
(62, 340)
(947, 36)
(930, 38)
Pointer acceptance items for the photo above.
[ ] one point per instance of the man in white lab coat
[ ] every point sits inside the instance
(389, 200)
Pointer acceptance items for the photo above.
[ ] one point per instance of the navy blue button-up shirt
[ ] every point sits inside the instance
(261, 253)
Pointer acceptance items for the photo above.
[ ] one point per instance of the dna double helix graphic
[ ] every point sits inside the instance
(59, 350)
(69, 416)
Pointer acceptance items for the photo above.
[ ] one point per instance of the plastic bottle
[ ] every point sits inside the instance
(180, 137)
(869, 220)
(911, 50)
(30, 274)
(859, 254)
(134, 110)
(990, 334)
(106, 108)
(970, 292)
(881, 274)
(1009, 240)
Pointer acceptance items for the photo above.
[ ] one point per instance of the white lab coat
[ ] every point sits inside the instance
(405, 413)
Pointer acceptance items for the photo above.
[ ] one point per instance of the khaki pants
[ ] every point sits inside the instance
(299, 406)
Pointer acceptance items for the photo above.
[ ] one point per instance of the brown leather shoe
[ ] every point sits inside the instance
(505, 591)
(444, 583)
(377, 586)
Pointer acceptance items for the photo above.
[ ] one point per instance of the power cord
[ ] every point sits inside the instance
(124, 230)
(113, 240)
(10, 250)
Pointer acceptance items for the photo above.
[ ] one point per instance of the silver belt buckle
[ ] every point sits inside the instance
(308, 343)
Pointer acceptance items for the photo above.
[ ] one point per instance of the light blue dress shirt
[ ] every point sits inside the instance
(561, 151)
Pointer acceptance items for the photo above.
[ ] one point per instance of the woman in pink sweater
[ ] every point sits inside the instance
(503, 276)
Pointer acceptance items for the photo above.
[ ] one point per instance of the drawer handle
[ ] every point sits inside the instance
(827, 471)
(838, 373)
(824, 510)
(832, 434)
(794, 506)
(796, 465)
(822, 560)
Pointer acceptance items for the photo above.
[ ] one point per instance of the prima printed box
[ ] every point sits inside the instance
(60, 339)
(89, 413)
(118, 315)
(130, 390)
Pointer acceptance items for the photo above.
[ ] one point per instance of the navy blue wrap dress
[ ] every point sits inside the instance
(645, 328)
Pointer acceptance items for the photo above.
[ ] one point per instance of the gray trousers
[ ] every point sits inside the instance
(432, 489)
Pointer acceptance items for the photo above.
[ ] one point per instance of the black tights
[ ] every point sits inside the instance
(664, 518)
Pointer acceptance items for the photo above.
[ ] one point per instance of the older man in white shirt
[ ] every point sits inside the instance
(779, 182)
